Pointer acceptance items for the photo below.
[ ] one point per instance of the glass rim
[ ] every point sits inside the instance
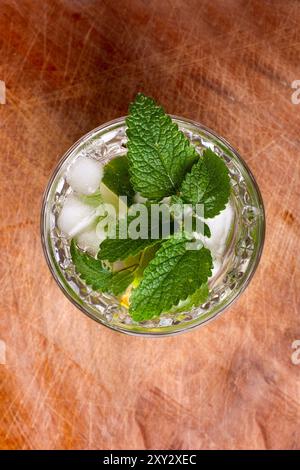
(146, 333)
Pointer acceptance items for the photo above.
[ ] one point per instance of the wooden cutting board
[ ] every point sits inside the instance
(67, 382)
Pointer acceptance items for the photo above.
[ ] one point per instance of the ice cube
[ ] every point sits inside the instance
(85, 175)
(75, 216)
(90, 240)
(220, 228)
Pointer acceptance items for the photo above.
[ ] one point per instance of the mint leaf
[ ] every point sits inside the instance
(196, 299)
(208, 183)
(96, 276)
(199, 297)
(147, 255)
(120, 281)
(172, 275)
(205, 231)
(116, 177)
(159, 154)
(119, 249)
(114, 249)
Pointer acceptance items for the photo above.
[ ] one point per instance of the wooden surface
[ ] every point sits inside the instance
(68, 66)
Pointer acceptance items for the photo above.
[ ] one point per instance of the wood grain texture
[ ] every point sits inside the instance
(68, 66)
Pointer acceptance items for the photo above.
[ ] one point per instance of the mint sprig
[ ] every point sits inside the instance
(159, 154)
(172, 275)
(205, 229)
(208, 183)
(160, 162)
(121, 247)
(194, 300)
(95, 275)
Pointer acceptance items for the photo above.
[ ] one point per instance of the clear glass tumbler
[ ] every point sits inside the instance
(239, 263)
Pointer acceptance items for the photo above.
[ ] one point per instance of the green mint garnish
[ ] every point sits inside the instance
(120, 247)
(159, 154)
(196, 299)
(208, 183)
(161, 162)
(98, 277)
(116, 177)
(172, 275)
(206, 230)
(199, 297)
